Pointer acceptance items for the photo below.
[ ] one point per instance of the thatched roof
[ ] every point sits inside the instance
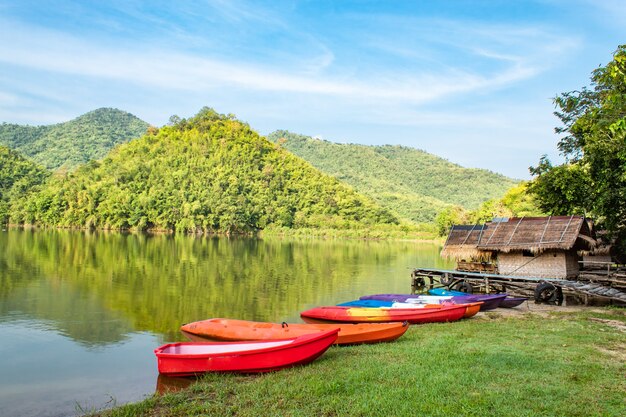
(524, 233)
(462, 241)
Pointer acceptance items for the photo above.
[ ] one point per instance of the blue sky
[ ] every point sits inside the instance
(471, 81)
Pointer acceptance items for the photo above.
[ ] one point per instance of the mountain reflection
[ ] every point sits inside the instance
(97, 287)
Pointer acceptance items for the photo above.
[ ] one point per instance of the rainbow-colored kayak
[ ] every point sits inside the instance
(430, 314)
(471, 308)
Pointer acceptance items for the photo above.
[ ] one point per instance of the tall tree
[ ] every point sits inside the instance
(592, 181)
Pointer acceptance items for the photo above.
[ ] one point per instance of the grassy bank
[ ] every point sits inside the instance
(558, 363)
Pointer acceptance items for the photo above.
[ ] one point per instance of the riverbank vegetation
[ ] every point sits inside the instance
(592, 181)
(532, 364)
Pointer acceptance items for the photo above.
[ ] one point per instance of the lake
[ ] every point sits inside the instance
(82, 312)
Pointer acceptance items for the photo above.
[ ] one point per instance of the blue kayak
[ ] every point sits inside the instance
(441, 291)
(367, 303)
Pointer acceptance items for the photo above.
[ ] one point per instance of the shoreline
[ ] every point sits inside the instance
(568, 360)
(353, 234)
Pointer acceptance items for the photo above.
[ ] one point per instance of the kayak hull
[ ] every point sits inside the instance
(510, 302)
(189, 358)
(383, 314)
(490, 301)
(240, 330)
(471, 308)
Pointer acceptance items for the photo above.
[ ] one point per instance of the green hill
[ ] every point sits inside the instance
(18, 176)
(67, 145)
(414, 184)
(208, 173)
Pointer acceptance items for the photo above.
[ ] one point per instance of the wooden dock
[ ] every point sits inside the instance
(543, 290)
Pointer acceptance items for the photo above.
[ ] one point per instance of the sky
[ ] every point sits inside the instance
(470, 81)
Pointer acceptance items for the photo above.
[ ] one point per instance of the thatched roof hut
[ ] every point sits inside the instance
(534, 234)
(462, 243)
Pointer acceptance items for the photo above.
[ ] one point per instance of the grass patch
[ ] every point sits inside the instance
(526, 365)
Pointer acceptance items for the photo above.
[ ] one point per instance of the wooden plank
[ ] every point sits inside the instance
(482, 275)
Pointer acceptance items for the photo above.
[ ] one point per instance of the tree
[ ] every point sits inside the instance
(517, 202)
(448, 217)
(592, 181)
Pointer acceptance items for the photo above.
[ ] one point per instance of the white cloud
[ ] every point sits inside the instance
(421, 82)
(61, 53)
(8, 99)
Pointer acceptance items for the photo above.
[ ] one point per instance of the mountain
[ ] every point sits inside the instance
(412, 183)
(18, 176)
(208, 173)
(67, 145)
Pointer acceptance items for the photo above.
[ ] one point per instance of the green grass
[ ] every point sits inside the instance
(562, 364)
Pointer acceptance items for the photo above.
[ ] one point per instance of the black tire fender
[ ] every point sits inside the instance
(548, 293)
(446, 279)
(464, 287)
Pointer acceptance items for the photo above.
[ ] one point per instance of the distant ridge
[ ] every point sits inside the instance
(413, 183)
(69, 144)
(209, 173)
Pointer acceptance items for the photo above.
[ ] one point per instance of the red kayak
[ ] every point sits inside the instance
(432, 314)
(189, 358)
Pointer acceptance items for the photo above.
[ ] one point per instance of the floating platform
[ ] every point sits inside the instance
(544, 290)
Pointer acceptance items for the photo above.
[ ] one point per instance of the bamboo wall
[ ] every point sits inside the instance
(549, 264)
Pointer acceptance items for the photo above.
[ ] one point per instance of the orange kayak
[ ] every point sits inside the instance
(472, 309)
(236, 330)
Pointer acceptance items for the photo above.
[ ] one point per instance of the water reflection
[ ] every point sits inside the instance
(96, 294)
(167, 384)
(156, 283)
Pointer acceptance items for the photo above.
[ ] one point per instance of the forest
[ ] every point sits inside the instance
(213, 173)
(209, 173)
(67, 145)
(413, 183)
(18, 176)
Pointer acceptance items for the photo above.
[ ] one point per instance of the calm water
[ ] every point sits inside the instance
(80, 313)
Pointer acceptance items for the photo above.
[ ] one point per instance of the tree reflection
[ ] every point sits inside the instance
(98, 286)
